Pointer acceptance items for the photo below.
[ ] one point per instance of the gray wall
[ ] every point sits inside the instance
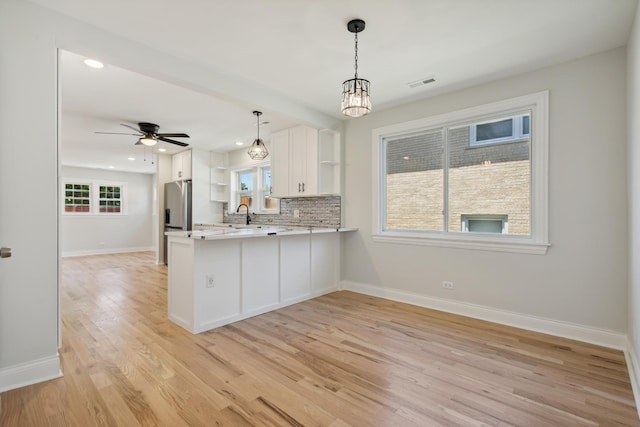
(582, 279)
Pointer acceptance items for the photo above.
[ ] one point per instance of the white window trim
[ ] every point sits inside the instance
(538, 242)
(94, 197)
(257, 191)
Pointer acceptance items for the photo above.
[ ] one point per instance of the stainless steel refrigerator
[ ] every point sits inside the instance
(177, 209)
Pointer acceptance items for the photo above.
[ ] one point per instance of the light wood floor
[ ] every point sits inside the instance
(339, 360)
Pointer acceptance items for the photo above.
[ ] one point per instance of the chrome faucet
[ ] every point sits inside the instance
(248, 217)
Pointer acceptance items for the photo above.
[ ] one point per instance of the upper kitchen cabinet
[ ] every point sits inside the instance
(305, 162)
(181, 166)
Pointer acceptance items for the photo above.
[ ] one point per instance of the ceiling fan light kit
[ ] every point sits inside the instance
(355, 92)
(258, 150)
(148, 141)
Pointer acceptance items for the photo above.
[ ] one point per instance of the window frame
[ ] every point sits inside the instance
(257, 192)
(94, 197)
(537, 242)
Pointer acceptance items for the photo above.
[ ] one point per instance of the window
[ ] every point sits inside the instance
(252, 187)
(245, 188)
(94, 198)
(77, 198)
(110, 199)
(475, 178)
(267, 203)
(500, 130)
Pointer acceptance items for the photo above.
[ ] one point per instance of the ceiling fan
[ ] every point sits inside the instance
(148, 133)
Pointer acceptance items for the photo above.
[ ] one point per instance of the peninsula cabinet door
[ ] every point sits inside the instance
(325, 262)
(260, 287)
(295, 278)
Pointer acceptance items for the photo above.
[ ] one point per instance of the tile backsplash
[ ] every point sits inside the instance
(322, 211)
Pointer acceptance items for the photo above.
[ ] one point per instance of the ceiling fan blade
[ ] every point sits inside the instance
(173, 135)
(182, 144)
(117, 133)
(131, 127)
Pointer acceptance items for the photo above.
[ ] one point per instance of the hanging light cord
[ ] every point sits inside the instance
(258, 123)
(356, 62)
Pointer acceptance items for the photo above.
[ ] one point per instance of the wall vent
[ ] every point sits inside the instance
(421, 82)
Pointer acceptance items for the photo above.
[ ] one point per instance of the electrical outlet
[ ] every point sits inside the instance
(210, 281)
(296, 213)
(447, 285)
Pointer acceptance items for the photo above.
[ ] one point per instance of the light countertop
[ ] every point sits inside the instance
(242, 232)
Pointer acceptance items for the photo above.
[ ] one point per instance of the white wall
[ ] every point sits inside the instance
(582, 279)
(95, 234)
(28, 198)
(239, 158)
(633, 162)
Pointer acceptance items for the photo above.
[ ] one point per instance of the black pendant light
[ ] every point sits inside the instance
(258, 150)
(355, 92)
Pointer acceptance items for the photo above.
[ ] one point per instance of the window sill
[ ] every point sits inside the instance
(520, 246)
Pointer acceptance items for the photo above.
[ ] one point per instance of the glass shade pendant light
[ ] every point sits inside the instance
(258, 150)
(355, 92)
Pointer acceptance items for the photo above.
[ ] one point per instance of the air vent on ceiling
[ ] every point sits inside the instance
(421, 82)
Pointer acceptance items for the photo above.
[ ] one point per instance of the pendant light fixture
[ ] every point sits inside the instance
(258, 150)
(355, 92)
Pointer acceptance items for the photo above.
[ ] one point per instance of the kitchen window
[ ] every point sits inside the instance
(90, 197)
(453, 180)
(252, 187)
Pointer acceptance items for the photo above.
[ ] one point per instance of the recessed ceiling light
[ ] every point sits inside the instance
(239, 143)
(93, 63)
(162, 150)
(131, 158)
(406, 157)
(111, 167)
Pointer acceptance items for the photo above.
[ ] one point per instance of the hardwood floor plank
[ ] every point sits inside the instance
(340, 360)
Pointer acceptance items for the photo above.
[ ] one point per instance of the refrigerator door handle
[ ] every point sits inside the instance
(167, 216)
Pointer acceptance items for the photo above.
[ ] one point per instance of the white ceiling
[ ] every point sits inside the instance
(301, 51)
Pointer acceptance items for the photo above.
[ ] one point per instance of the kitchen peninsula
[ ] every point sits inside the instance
(225, 274)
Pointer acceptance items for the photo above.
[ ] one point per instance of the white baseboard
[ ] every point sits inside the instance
(107, 251)
(632, 366)
(603, 337)
(29, 373)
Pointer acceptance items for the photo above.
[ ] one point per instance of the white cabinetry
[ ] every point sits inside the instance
(260, 287)
(305, 162)
(295, 277)
(181, 166)
(217, 282)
